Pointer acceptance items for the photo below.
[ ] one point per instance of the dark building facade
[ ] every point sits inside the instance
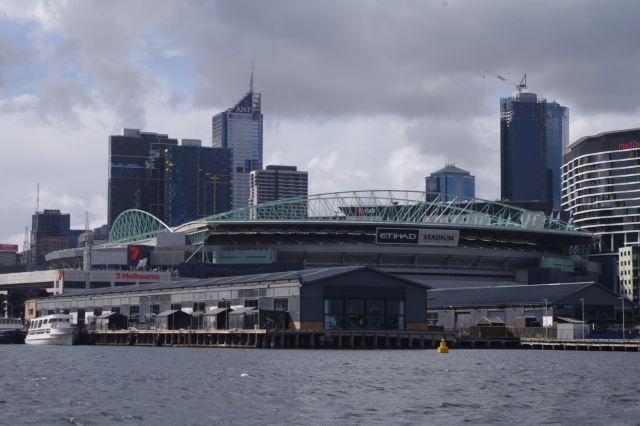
(174, 182)
(197, 182)
(50, 231)
(239, 128)
(533, 135)
(451, 182)
(136, 172)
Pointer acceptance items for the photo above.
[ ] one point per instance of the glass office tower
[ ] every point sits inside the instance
(534, 134)
(197, 182)
(136, 172)
(450, 182)
(240, 129)
(175, 183)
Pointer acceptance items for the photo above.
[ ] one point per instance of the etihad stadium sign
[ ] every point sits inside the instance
(422, 237)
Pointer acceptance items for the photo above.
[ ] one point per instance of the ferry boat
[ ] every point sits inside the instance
(11, 330)
(53, 329)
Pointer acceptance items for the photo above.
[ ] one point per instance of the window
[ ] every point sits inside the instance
(198, 307)
(154, 309)
(372, 314)
(251, 303)
(333, 309)
(176, 306)
(281, 304)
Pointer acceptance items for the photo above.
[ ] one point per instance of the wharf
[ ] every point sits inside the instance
(631, 345)
(276, 339)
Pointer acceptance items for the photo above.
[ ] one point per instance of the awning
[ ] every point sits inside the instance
(167, 313)
(246, 310)
(216, 311)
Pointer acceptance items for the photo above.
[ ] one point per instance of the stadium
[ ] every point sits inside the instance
(410, 234)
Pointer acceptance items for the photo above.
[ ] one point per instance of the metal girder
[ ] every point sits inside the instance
(397, 207)
(136, 225)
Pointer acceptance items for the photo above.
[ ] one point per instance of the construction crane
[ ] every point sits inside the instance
(518, 86)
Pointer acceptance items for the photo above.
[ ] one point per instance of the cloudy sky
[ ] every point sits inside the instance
(362, 94)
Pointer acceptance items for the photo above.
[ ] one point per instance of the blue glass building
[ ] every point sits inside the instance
(450, 182)
(534, 134)
(176, 183)
(240, 129)
(136, 172)
(197, 182)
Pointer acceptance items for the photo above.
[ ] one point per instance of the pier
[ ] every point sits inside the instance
(276, 339)
(626, 345)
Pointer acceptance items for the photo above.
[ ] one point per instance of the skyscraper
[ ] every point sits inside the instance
(136, 172)
(239, 128)
(197, 181)
(278, 183)
(174, 182)
(450, 182)
(50, 231)
(534, 134)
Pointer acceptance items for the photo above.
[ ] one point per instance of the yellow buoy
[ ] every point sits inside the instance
(443, 348)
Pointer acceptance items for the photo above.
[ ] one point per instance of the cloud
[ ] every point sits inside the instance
(362, 94)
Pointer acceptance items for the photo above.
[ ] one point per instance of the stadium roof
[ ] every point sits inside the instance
(376, 207)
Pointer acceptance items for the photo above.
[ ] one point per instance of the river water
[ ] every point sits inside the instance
(93, 385)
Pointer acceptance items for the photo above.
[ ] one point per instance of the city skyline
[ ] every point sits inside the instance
(361, 106)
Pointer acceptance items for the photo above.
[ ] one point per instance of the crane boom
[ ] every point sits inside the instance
(519, 86)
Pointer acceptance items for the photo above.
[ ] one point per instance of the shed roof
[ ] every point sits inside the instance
(244, 310)
(508, 295)
(216, 311)
(169, 312)
(107, 314)
(305, 276)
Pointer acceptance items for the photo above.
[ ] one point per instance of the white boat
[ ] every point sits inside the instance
(11, 330)
(53, 329)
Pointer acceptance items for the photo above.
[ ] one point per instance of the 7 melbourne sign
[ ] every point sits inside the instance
(422, 237)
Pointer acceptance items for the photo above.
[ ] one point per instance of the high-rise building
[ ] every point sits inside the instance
(197, 181)
(450, 182)
(533, 136)
(278, 183)
(601, 187)
(239, 128)
(136, 172)
(174, 182)
(50, 231)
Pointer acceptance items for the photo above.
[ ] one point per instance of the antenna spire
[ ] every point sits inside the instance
(251, 80)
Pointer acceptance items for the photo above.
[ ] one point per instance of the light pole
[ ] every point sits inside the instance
(622, 300)
(546, 314)
(582, 300)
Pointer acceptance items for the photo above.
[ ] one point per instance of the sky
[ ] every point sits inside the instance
(362, 94)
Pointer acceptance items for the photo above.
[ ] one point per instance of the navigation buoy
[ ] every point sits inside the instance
(443, 348)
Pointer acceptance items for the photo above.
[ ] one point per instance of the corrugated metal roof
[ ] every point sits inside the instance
(167, 313)
(216, 311)
(305, 276)
(505, 295)
(245, 310)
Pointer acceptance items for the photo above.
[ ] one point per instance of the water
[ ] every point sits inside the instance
(93, 385)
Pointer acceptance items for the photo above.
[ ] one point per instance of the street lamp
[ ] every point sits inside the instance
(582, 300)
(546, 314)
(622, 300)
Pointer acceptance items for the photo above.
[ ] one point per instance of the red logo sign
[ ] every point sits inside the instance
(629, 145)
(134, 253)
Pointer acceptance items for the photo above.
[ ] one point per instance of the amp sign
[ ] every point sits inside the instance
(422, 237)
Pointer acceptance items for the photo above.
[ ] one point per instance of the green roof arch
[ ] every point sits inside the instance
(136, 225)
